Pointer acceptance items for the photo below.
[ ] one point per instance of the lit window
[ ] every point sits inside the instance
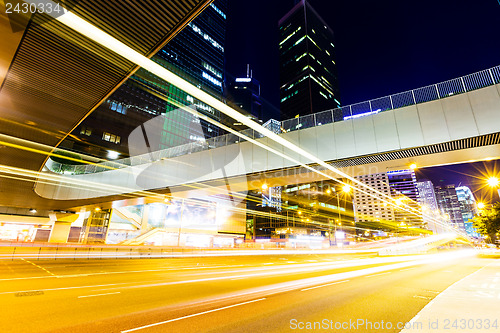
(206, 37)
(213, 70)
(86, 131)
(113, 138)
(212, 79)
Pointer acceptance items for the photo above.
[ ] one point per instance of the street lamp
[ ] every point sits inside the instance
(481, 205)
(493, 182)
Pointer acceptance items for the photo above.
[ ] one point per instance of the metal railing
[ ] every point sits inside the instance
(478, 80)
(487, 77)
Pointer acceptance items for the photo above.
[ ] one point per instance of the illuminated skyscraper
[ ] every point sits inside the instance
(450, 207)
(468, 208)
(244, 92)
(308, 72)
(369, 209)
(427, 198)
(197, 55)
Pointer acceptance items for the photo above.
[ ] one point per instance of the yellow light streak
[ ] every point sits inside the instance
(92, 32)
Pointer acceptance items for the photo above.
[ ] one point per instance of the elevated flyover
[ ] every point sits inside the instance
(450, 122)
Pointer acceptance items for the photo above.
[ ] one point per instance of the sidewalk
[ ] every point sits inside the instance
(472, 304)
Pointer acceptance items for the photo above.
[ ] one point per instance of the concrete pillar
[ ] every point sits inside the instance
(60, 232)
(62, 225)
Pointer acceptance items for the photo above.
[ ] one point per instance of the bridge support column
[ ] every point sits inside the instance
(60, 232)
(61, 226)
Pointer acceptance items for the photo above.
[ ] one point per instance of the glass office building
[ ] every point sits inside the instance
(195, 54)
(449, 205)
(308, 72)
(245, 94)
(468, 207)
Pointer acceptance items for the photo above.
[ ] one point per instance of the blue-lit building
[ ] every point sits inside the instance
(308, 72)
(449, 205)
(197, 55)
(428, 201)
(468, 208)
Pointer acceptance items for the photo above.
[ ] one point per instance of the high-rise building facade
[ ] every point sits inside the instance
(428, 201)
(308, 72)
(195, 54)
(449, 206)
(468, 208)
(369, 210)
(244, 93)
(426, 194)
(403, 184)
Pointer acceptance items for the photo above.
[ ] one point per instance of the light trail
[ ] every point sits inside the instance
(85, 28)
(305, 283)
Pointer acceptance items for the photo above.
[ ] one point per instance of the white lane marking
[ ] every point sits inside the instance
(325, 285)
(407, 269)
(424, 297)
(192, 315)
(378, 274)
(66, 288)
(84, 296)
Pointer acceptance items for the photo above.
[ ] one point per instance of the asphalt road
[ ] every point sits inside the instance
(280, 293)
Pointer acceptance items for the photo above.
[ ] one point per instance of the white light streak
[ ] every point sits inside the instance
(87, 29)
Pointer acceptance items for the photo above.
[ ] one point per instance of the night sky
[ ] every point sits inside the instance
(383, 47)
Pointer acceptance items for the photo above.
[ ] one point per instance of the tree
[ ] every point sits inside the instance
(488, 223)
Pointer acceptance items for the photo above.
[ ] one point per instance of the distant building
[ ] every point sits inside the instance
(427, 195)
(368, 210)
(273, 125)
(308, 72)
(403, 184)
(468, 208)
(449, 206)
(428, 201)
(244, 93)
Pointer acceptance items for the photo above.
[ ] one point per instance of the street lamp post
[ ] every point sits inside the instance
(346, 189)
